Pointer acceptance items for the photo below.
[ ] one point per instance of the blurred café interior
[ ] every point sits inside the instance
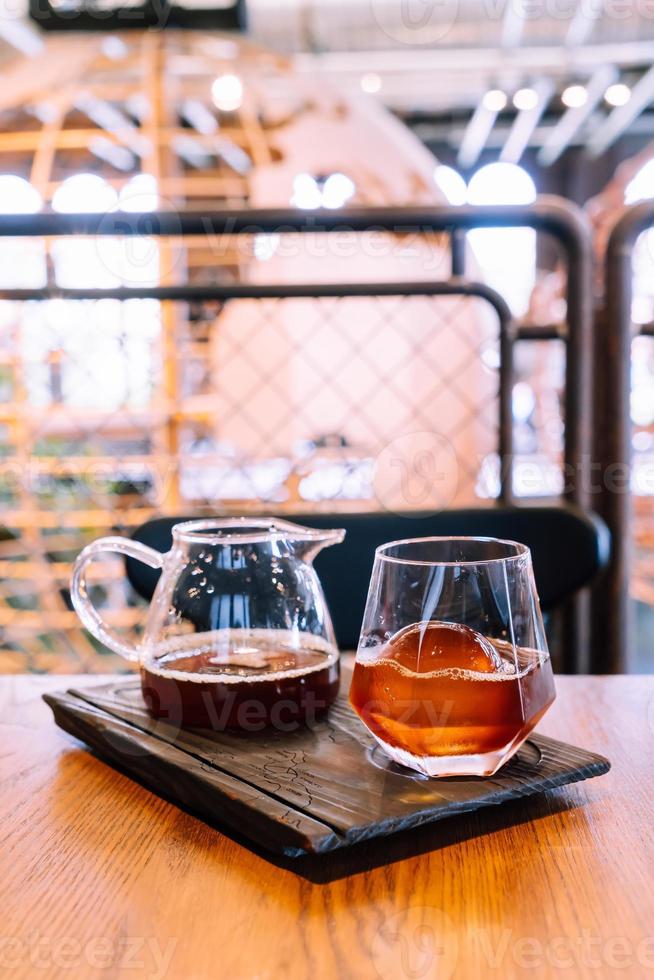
(317, 258)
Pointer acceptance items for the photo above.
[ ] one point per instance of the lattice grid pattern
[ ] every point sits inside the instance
(274, 405)
(111, 412)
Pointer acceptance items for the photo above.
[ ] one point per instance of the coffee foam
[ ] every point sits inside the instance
(509, 673)
(217, 641)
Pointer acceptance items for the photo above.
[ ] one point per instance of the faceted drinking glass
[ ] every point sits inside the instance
(452, 670)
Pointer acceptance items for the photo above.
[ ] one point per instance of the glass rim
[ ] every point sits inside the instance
(246, 530)
(521, 551)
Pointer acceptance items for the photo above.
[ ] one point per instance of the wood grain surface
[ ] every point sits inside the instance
(310, 790)
(101, 878)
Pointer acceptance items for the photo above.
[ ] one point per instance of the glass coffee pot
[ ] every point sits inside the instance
(238, 634)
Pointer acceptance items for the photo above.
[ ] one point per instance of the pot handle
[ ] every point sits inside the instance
(85, 609)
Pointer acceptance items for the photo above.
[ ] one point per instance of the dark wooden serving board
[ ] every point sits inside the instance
(312, 790)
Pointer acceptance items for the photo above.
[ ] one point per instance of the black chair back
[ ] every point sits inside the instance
(568, 548)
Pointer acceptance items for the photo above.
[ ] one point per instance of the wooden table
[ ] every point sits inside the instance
(99, 878)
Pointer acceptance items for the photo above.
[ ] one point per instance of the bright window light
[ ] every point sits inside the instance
(506, 256)
(84, 260)
(642, 405)
(265, 246)
(618, 94)
(306, 193)
(494, 100)
(84, 193)
(113, 373)
(641, 187)
(574, 96)
(332, 192)
(227, 93)
(524, 401)
(337, 191)
(451, 183)
(139, 194)
(105, 262)
(22, 261)
(17, 196)
(501, 183)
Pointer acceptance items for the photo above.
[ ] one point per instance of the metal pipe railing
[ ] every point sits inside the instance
(551, 215)
(612, 618)
(226, 292)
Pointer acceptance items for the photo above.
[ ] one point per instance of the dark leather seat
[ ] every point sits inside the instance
(568, 548)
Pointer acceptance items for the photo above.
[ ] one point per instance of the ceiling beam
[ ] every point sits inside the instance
(526, 122)
(18, 32)
(199, 116)
(622, 116)
(438, 134)
(476, 134)
(583, 23)
(513, 24)
(546, 58)
(112, 120)
(573, 119)
(112, 153)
